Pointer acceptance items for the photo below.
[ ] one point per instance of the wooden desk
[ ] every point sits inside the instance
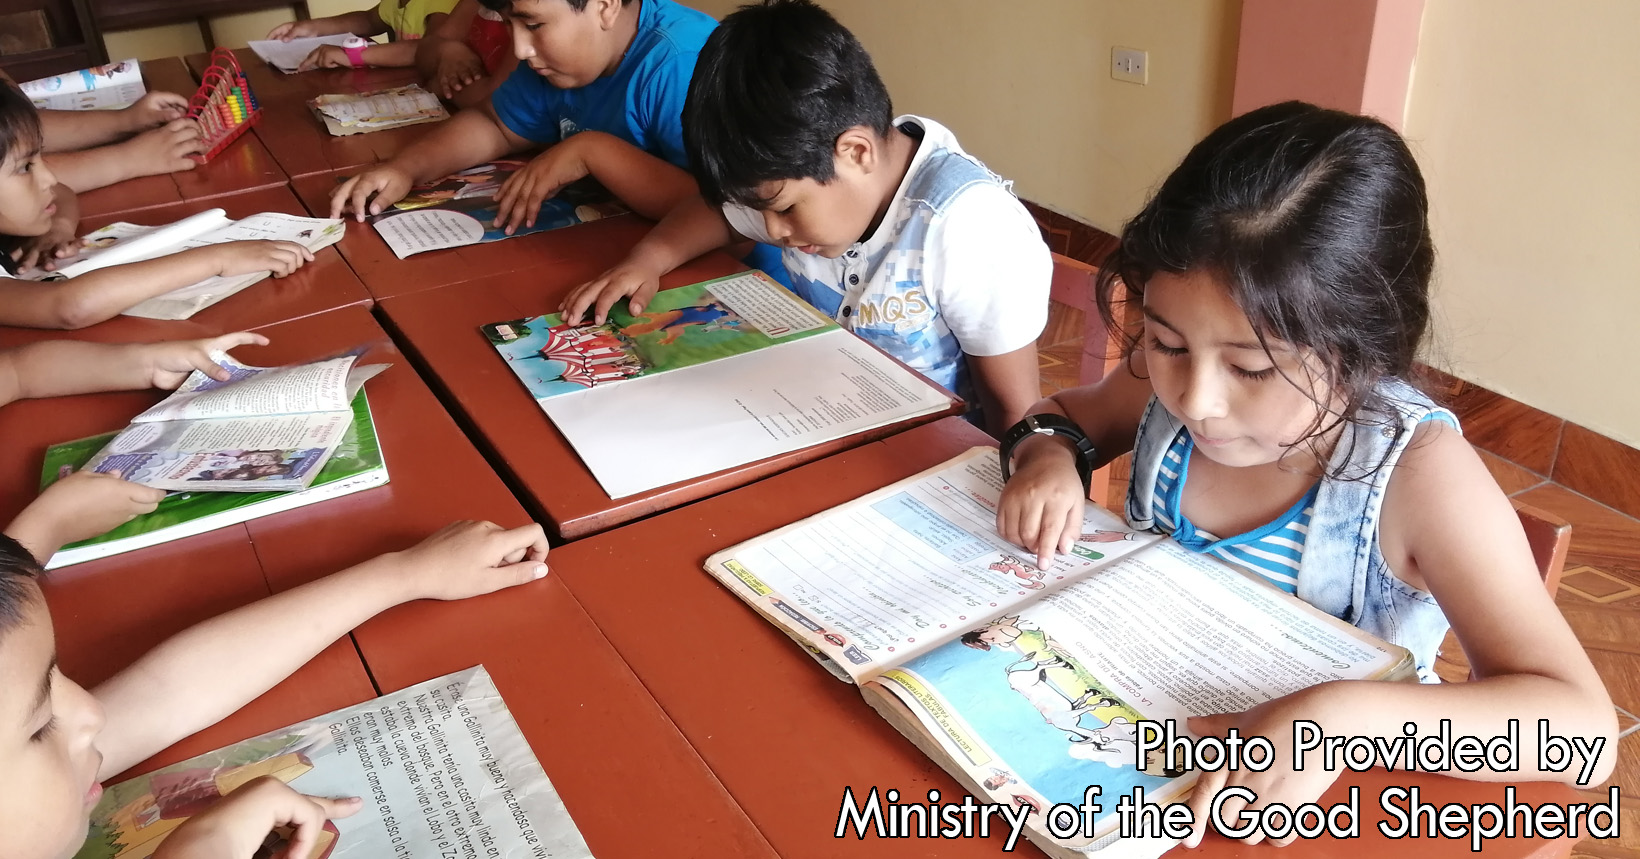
(576, 253)
(601, 738)
(782, 734)
(324, 284)
(295, 137)
(439, 328)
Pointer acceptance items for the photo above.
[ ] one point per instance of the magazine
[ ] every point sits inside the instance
(287, 56)
(442, 768)
(460, 210)
(107, 87)
(121, 243)
(681, 377)
(268, 429)
(1027, 684)
(354, 466)
(357, 113)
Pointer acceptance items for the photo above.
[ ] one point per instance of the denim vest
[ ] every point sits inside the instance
(1343, 573)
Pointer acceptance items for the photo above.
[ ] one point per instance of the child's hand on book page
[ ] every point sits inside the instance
(1329, 705)
(43, 251)
(82, 505)
(296, 30)
(1041, 505)
(237, 824)
(153, 110)
(170, 363)
(281, 258)
(635, 282)
(465, 559)
(518, 203)
(164, 149)
(370, 192)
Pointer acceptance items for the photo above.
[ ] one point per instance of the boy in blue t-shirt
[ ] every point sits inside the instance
(604, 80)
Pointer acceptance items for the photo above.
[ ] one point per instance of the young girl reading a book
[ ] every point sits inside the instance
(1283, 272)
(38, 220)
(85, 503)
(62, 741)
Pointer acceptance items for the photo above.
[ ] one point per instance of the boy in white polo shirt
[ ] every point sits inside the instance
(886, 223)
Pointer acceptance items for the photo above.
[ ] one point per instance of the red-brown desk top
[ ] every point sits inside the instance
(786, 737)
(296, 138)
(244, 166)
(582, 251)
(325, 284)
(439, 327)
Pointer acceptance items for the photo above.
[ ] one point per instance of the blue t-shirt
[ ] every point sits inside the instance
(641, 103)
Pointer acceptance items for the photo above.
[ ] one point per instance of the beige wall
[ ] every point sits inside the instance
(1534, 174)
(1026, 86)
(231, 31)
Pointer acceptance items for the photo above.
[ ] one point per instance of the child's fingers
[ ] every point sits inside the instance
(1072, 529)
(529, 540)
(641, 295)
(339, 197)
(1207, 786)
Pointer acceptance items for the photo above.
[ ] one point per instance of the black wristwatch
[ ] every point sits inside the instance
(1049, 424)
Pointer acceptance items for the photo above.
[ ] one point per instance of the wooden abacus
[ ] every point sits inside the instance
(224, 105)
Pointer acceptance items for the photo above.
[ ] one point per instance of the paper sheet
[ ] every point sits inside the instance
(287, 56)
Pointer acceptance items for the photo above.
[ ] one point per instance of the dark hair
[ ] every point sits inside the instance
(19, 122)
(1316, 221)
(775, 86)
(16, 566)
(504, 5)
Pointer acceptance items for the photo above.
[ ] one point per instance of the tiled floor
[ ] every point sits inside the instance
(1599, 592)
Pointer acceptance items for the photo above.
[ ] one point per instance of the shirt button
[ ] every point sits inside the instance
(853, 254)
(854, 280)
(847, 312)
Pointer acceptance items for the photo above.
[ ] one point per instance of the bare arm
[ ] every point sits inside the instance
(68, 130)
(689, 230)
(468, 138)
(1007, 385)
(646, 184)
(364, 23)
(160, 150)
(208, 671)
(445, 61)
(57, 368)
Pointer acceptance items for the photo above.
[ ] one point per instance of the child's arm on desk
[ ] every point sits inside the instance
(208, 671)
(1446, 529)
(57, 368)
(68, 130)
(646, 184)
(689, 230)
(107, 292)
(161, 150)
(469, 138)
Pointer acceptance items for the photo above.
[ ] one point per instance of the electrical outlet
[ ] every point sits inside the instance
(1131, 65)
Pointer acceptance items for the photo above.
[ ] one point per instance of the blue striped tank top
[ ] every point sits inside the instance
(1273, 550)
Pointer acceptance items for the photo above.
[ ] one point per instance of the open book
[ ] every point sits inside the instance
(121, 243)
(354, 466)
(288, 56)
(270, 428)
(442, 767)
(106, 87)
(460, 210)
(707, 377)
(1026, 684)
(357, 113)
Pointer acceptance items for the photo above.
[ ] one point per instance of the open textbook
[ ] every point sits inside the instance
(1026, 684)
(121, 243)
(460, 210)
(679, 381)
(105, 87)
(269, 428)
(442, 768)
(287, 56)
(357, 113)
(354, 466)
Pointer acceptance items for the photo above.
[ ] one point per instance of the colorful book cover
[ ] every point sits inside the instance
(460, 210)
(680, 328)
(355, 465)
(442, 768)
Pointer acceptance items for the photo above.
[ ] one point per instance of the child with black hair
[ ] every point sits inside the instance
(601, 81)
(85, 504)
(1283, 274)
(888, 226)
(58, 741)
(39, 217)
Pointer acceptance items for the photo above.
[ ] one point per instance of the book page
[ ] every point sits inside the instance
(320, 386)
(183, 302)
(442, 768)
(288, 56)
(246, 454)
(121, 243)
(880, 579)
(460, 210)
(1045, 700)
(110, 86)
(726, 413)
